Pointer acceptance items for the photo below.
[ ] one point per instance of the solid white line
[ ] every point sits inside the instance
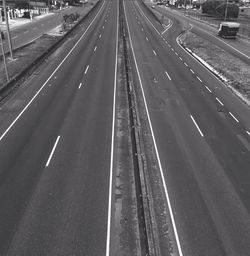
(155, 146)
(196, 125)
(154, 52)
(72, 49)
(95, 48)
(80, 85)
(112, 143)
(168, 75)
(208, 89)
(234, 117)
(86, 70)
(199, 79)
(219, 101)
(52, 151)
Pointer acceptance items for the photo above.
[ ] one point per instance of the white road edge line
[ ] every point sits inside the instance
(72, 49)
(112, 142)
(168, 75)
(86, 70)
(234, 117)
(155, 146)
(219, 101)
(196, 125)
(52, 151)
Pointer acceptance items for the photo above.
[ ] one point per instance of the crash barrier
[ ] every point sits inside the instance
(4, 90)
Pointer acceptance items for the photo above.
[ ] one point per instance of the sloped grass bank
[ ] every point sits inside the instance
(233, 69)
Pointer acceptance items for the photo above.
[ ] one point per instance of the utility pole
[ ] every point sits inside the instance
(4, 60)
(225, 18)
(7, 28)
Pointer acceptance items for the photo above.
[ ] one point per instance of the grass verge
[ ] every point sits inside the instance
(233, 69)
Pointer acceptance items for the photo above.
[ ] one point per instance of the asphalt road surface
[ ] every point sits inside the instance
(202, 140)
(56, 150)
(57, 138)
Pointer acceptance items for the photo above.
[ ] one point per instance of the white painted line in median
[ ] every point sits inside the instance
(112, 144)
(219, 101)
(234, 117)
(72, 49)
(86, 70)
(196, 125)
(154, 142)
(52, 151)
(168, 75)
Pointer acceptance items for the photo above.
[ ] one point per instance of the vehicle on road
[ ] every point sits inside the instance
(228, 29)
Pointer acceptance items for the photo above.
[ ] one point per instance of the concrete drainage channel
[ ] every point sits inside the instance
(144, 209)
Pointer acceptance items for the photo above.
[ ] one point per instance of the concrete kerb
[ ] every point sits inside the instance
(6, 87)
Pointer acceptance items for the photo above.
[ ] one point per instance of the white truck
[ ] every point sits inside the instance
(228, 29)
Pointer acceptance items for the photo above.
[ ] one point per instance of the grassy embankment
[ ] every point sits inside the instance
(233, 69)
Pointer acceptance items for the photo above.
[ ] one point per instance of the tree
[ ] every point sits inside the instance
(218, 8)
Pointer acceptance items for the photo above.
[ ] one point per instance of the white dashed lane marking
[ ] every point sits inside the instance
(154, 52)
(208, 89)
(234, 117)
(86, 70)
(219, 101)
(168, 75)
(199, 79)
